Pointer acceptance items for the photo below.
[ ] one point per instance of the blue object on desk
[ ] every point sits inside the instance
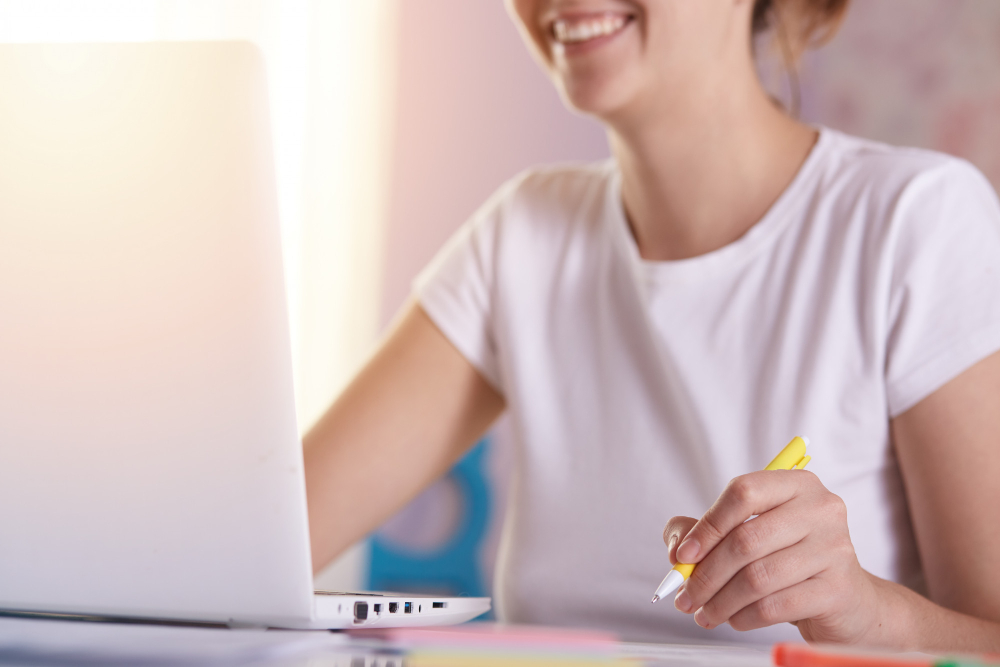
(452, 568)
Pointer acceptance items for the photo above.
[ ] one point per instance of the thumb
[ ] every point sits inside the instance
(675, 531)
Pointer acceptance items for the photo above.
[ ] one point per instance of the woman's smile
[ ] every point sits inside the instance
(576, 32)
(592, 48)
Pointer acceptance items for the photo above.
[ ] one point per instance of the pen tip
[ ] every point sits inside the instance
(655, 598)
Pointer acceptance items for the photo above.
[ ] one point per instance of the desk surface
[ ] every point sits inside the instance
(26, 641)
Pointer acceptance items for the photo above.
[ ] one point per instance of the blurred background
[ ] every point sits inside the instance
(394, 119)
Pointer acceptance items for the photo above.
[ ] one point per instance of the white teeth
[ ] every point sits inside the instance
(571, 31)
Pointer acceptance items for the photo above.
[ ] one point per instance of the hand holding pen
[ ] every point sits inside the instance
(793, 563)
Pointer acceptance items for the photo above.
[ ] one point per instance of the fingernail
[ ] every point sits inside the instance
(688, 551)
(683, 602)
(699, 618)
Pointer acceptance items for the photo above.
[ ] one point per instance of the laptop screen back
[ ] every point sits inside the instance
(149, 457)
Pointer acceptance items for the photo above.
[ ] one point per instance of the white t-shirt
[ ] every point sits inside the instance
(638, 389)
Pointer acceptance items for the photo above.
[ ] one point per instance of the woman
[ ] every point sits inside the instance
(661, 324)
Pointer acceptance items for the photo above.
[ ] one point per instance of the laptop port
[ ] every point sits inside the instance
(377, 608)
(393, 607)
(360, 611)
(439, 605)
(407, 607)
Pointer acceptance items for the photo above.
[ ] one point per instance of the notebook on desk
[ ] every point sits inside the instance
(150, 465)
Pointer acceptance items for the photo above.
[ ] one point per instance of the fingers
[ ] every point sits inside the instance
(793, 563)
(744, 546)
(674, 532)
(760, 579)
(790, 605)
(742, 498)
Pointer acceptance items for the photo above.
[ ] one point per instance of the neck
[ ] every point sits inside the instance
(698, 176)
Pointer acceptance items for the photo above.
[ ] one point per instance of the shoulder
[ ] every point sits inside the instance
(884, 174)
(553, 196)
(564, 183)
(532, 215)
(896, 196)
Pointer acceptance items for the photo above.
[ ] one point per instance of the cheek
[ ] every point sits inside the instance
(525, 14)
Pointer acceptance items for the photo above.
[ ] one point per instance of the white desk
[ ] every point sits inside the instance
(56, 642)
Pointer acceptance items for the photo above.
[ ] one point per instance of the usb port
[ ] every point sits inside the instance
(407, 607)
(393, 607)
(439, 605)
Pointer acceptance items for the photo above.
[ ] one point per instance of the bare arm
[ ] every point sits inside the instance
(949, 452)
(410, 413)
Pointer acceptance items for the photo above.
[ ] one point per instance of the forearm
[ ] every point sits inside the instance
(911, 622)
(409, 414)
(356, 477)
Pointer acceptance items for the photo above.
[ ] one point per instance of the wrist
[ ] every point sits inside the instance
(908, 621)
(895, 618)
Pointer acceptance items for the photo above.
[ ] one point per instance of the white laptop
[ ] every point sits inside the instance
(150, 465)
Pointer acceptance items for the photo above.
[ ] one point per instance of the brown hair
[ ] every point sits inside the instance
(798, 25)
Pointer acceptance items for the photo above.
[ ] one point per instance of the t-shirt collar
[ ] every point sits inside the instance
(729, 257)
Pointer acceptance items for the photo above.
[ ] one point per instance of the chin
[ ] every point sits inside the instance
(602, 95)
(595, 58)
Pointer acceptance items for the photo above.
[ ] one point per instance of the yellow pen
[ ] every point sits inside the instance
(791, 457)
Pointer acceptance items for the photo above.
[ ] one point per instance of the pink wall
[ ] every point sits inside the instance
(474, 109)
(914, 72)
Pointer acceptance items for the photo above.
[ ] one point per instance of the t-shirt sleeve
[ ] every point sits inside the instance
(944, 303)
(457, 289)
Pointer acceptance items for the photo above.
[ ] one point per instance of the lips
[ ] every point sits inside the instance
(581, 28)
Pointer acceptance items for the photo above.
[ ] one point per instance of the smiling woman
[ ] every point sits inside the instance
(657, 324)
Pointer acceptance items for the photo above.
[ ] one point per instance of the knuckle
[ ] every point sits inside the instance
(699, 582)
(768, 610)
(709, 525)
(809, 477)
(758, 577)
(844, 548)
(833, 506)
(746, 541)
(743, 490)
